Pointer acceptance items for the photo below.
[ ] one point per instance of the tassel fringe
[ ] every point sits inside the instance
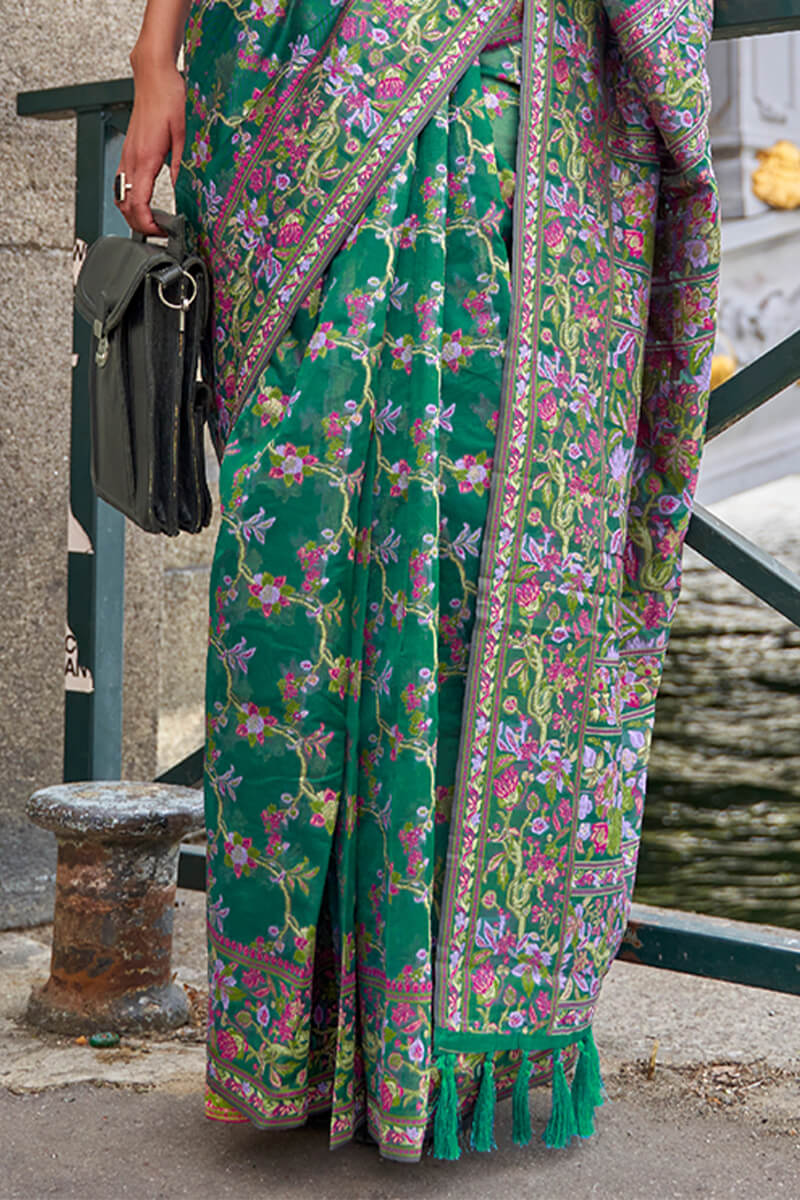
(520, 1104)
(587, 1086)
(572, 1113)
(482, 1136)
(445, 1122)
(561, 1127)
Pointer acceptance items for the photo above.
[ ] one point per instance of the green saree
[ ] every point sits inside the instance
(465, 262)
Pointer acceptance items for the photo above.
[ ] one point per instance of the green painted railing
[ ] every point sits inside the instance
(742, 18)
(700, 945)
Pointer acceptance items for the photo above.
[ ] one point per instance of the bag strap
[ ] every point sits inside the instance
(174, 224)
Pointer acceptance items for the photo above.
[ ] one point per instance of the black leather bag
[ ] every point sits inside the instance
(149, 373)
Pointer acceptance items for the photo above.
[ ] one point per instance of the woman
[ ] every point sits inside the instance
(465, 264)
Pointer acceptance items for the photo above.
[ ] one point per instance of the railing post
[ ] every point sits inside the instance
(743, 18)
(96, 546)
(95, 597)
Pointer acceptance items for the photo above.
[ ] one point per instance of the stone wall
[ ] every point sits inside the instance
(48, 45)
(728, 714)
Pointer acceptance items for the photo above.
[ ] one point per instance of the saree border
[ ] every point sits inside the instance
(567, 1014)
(359, 181)
(279, 110)
(518, 411)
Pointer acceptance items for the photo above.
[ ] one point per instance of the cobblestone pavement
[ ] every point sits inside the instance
(703, 1080)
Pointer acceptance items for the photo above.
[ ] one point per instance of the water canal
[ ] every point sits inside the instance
(731, 852)
(722, 814)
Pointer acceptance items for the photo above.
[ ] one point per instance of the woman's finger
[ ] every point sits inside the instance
(177, 134)
(176, 152)
(136, 207)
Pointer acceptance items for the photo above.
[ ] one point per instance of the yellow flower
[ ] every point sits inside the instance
(776, 180)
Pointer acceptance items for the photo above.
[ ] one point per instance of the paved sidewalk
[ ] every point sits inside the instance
(718, 1115)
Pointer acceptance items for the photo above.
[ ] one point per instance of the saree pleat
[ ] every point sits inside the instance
(353, 496)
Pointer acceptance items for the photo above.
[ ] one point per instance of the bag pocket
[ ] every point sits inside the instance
(113, 467)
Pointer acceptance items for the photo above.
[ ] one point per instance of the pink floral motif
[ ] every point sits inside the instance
(390, 87)
(237, 854)
(226, 1045)
(634, 242)
(290, 232)
(483, 979)
(527, 596)
(290, 463)
(473, 472)
(255, 723)
(399, 473)
(270, 592)
(456, 349)
(506, 784)
(403, 354)
(320, 343)
(599, 836)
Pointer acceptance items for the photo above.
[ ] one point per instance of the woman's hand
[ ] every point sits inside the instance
(156, 128)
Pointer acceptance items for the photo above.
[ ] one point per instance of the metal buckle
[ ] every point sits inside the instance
(101, 350)
(184, 301)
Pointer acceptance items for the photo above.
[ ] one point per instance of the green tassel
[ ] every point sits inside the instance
(445, 1122)
(587, 1086)
(482, 1136)
(561, 1126)
(520, 1107)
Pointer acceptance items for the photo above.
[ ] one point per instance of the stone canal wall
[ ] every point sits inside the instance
(729, 709)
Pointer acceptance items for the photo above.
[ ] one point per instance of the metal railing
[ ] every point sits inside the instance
(700, 945)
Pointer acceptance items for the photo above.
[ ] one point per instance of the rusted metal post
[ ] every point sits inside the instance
(118, 847)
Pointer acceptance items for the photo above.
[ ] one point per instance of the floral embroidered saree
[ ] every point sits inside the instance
(465, 264)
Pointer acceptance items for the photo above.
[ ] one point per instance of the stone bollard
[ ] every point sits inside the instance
(118, 846)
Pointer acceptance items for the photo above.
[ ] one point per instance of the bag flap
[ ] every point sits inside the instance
(112, 271)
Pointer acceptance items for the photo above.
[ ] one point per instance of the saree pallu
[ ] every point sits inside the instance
(465, 265)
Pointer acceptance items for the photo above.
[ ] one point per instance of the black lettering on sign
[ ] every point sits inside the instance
(76, 677)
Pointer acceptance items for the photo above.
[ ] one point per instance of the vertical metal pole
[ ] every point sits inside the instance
(96, 572)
